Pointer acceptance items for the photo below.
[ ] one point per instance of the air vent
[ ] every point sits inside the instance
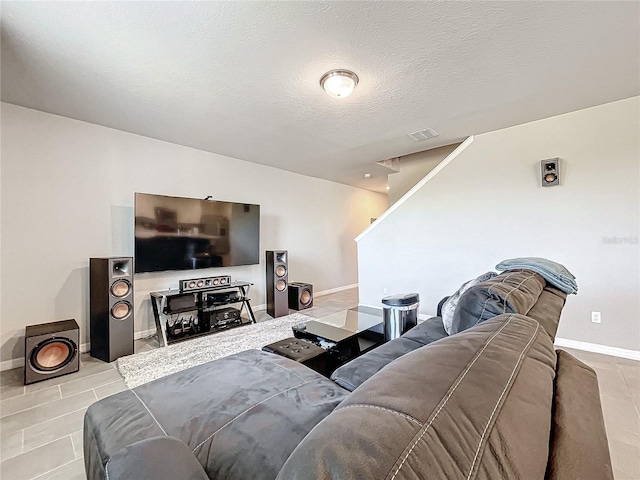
(425, 134)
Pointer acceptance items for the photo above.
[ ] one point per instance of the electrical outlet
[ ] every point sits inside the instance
(385, 290)
(595, 317)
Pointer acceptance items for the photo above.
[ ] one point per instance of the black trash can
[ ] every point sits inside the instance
(400, 314)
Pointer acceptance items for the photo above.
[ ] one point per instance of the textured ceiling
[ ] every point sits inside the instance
(241, 78)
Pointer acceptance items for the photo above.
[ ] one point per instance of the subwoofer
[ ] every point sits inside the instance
(111, 309)
(51, 350)
(277, 283)
(300, 295)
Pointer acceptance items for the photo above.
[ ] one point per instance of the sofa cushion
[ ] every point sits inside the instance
(430, 330)
(227, 411)
(354, 373)
(579, 447)
(510, 292)
(475, 405)
(448, 307)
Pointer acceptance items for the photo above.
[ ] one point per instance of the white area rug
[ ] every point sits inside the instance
(146, 366)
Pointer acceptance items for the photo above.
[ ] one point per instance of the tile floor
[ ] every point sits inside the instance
(41, 424)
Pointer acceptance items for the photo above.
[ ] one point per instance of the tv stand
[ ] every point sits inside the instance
(164, 307)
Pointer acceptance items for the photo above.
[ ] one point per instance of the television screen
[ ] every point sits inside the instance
(174, 233)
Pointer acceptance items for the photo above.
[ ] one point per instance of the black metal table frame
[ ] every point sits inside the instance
(159, 299)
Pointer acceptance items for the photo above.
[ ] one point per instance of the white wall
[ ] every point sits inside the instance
(413, 168)
(67, 195)
(487, 205)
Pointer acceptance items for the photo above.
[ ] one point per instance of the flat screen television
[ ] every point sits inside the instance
(176, 233)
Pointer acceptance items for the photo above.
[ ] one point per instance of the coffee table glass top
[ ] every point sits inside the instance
(343, 325)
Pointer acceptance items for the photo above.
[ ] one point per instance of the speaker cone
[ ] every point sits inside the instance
(200, 283)
(52, 354)
(216, 281)
(121, 310)
(120, 288)
(281, 285)
(281, 271)
(305, 298)
(192, 284)
(223, 281)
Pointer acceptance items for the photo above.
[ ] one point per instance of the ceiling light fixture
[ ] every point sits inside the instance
(339, 83)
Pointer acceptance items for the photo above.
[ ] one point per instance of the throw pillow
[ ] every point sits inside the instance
(449, 306)
(511, 292)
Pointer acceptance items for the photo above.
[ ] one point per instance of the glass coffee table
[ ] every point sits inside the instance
(344, 335)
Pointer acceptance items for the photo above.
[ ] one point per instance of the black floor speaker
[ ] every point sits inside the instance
(277, 282)
(51, 350)
(111, 309)
(300, 295)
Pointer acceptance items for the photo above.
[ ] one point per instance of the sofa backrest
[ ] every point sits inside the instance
(510, 292)
(548, 308)
(473, 405)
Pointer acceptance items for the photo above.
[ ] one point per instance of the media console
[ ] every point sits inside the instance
(211, 307)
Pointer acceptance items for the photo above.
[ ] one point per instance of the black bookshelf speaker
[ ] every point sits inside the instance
(51, 350)
(111, 309)
(277, 283)
(300, 295)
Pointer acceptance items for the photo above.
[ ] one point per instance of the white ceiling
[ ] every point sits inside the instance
(241, 78)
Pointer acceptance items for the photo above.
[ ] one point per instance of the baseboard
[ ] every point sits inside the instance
(13, 363)
(564, 342)
(86, 347)
(597, 348)
(144, 334)
(335, 290)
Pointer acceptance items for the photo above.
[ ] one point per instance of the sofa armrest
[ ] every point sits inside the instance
(579, 447)
(158, 458)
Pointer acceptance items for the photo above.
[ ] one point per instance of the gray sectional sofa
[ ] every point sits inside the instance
(492, 401)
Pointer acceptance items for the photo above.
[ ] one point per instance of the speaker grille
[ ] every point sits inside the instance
(121, 288)
(52, 354)
(121, 310)
(204, 283)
